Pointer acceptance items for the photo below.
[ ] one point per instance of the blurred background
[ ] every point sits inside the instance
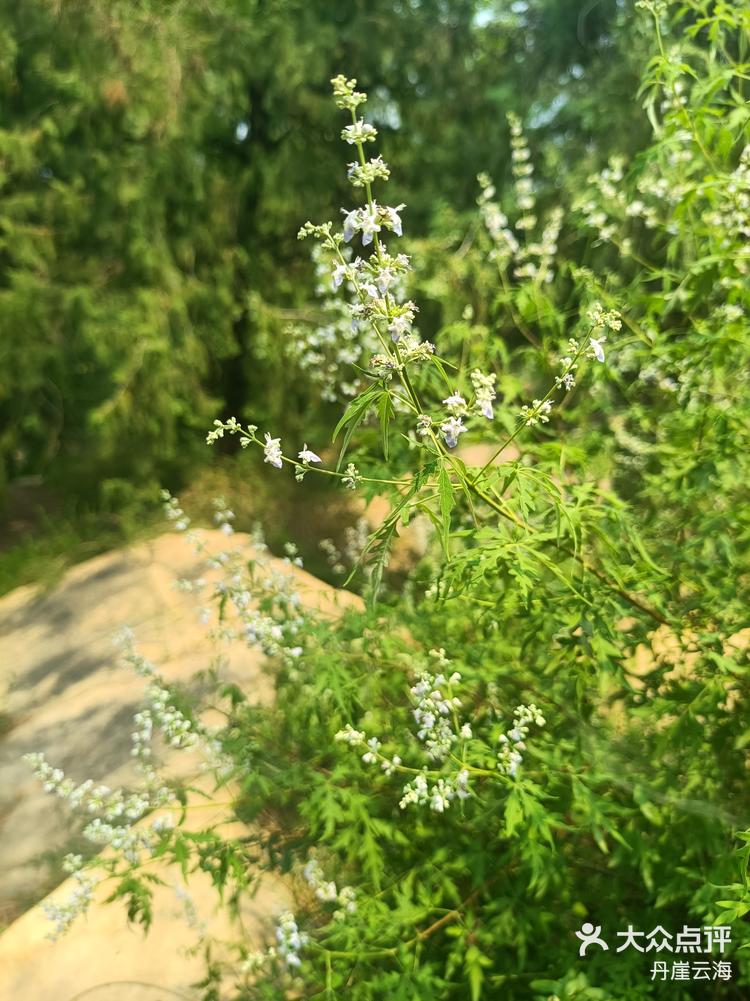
(156, 162)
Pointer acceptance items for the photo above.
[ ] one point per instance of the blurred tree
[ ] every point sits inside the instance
(157, 159)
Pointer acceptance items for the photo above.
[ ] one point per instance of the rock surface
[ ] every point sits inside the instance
(63, 692)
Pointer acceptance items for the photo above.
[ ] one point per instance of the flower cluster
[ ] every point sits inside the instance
(733, 211)
(329, 345)
(91, 797)
(457, 407)
(223, 516)
(290, 940)
(359, 132)
(174, 512)
(62, 915)
(438, 795)
(118, 812)
(177, 729)
(599, 319)
(220, 427)
(371, 220)
(372, 753)
(537, 413)
(356, 538)
(376, 285)
(566, 379)
(513, 742)
(327, 890)
(361, 175)
(189, 910)
(532, 259)
(289, 943)
(272, 454)
(377, 280)
(266, 611)
(484, 392)
(352, 478)
(522, 174)
(605, 199)
(505, 245)
(609, 210)
(129, 842)
(435, 713)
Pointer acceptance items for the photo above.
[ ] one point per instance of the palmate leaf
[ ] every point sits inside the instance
(381, 539)
(138, 899)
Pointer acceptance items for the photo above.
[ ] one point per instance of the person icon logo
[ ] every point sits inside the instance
(589, 935)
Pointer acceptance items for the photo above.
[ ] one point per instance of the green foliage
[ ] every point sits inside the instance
(155, 162)
(546, 725)
(601, 575)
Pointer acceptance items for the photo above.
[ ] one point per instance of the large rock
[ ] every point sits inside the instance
(63, 692)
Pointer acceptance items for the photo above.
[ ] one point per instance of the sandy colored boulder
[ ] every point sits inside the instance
(63, 692)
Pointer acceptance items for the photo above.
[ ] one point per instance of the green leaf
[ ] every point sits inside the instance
(385, 414)
(353, 416)
(445, 492)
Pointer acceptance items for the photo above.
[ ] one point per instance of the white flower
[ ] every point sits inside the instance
(290, 939)
(432, 713)
(599, 317)
(350, 736)
(345, 94)
(424, 425)
(389, 767)
(462, 784)
(511, 744)
(325, 890)
(272, 451)
(351, 225)
(370, 756)
(64, 914)
(369, 224)
(366, 221)
(567, 380)
(401, 321)
(415, 791)
(484, 390)
(373, 170)
(307, 456)
(440, 798)
(359, 132)
(399, 326)
(538, 413)
(595, 346)
(455, 403)
(392, 218)
(340, 271)
(351, 478)
(347, 902)
(452, 428)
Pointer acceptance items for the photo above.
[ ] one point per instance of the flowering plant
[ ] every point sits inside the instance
(460, 773)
